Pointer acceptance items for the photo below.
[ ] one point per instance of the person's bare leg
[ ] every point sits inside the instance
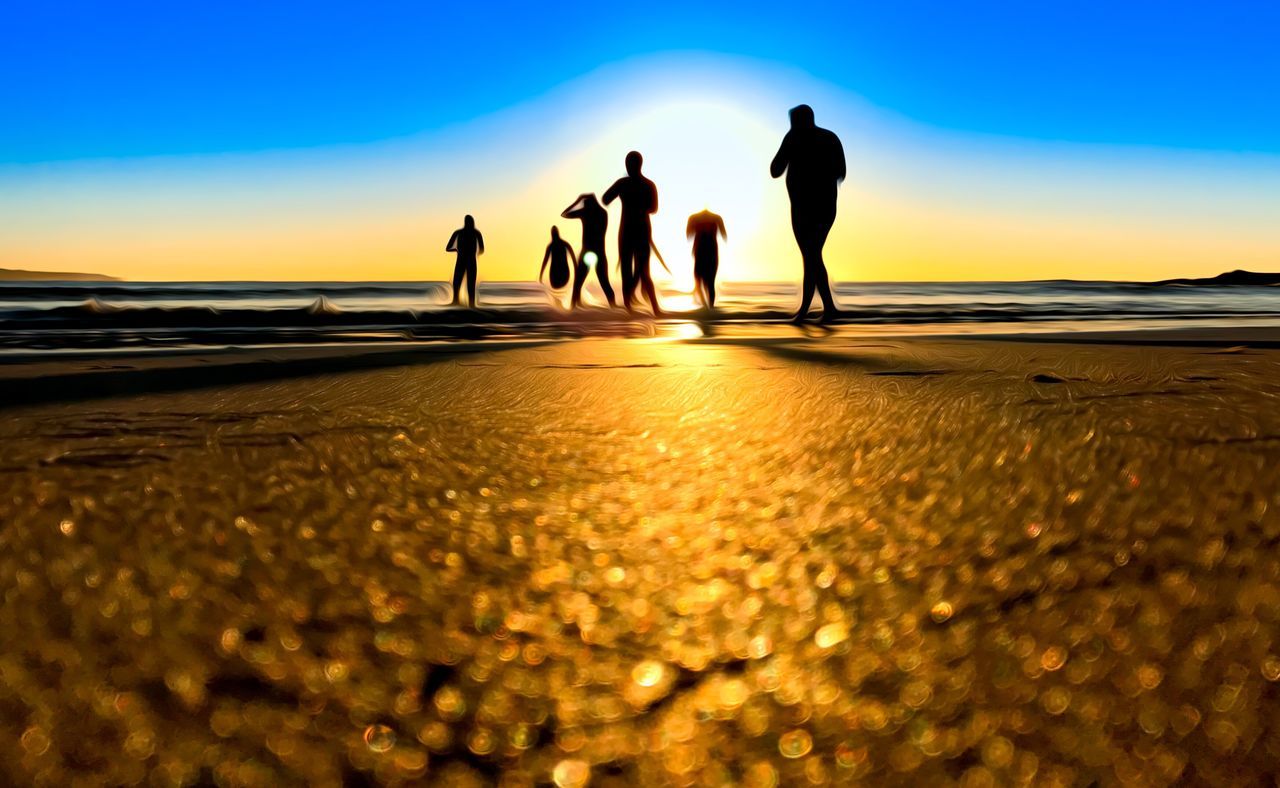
(634, 284)
(458, 270)
(823, 281)
(652, 294)
(628, 275)
(806, 294)
(801, 226)
(802, 314)
(643, 278)
(821, 278)
(602, 273)
(579, 279)
(471, 285)
(711, 293)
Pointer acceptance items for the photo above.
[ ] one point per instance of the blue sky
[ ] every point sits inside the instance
(127, 79)
(211, 140)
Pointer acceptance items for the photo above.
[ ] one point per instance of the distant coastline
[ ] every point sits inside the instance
(19, 275)
(1236, 278)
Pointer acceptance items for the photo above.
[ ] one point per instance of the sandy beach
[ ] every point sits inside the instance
(775, 558)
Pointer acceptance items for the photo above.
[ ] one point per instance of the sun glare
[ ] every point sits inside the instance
(702, 155)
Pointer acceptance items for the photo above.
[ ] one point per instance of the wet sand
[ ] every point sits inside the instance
(776, 560)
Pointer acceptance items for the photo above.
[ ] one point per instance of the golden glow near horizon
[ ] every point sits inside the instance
(918, 204)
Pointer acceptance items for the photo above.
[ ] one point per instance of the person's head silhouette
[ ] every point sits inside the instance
(555, 233)
(469, 222)
(634, 161)
(802, 117)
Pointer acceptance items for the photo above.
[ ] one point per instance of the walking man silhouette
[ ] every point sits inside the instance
(635, 234)
(703, 228)
(595, 220)
(467, 242)
(813, 160)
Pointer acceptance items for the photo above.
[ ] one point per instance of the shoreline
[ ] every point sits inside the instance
(29, 378)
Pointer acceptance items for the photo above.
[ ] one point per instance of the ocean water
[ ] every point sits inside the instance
(53, 316)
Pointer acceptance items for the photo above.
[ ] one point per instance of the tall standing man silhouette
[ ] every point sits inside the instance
(635, 234)
(467, 242)
(813, 160)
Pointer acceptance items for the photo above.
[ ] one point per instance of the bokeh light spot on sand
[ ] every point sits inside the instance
(35, 740)
(1053, 658)
(760, 774)
(411, 761)
(336, 670)
(450, 703)
(941, 611)
(436, 736)
(1055, 700)
(1271, 668)
(916, 694)
(848, 756)
(481, 741)
(997, 752)
(648, 673)
(571, 773)
(760, 647)
(795, 744)
(830, 635)
(734, 693)
(1150, 675)
(379, 738)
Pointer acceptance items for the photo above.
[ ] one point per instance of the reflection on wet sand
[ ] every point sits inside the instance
(765, 562)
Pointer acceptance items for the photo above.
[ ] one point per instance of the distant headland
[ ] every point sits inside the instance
(1231, 278)
(18, 275)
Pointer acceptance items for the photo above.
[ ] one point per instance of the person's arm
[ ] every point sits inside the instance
(545, 258)
(612, 193)
(782, 158)
(720, 226)
(452, 246)
(573, 258)
(839, 159)
(653, 203)
(479, 242)
(574, 211)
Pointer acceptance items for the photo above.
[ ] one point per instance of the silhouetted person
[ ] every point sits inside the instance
(595, 220)
(703, 228)
(468, 243)
(559, 254)
(635, 235)
(813, 159)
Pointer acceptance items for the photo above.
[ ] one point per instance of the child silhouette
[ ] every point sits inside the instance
(703, 229)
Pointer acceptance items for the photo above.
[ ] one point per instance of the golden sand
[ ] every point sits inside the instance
(762, 562)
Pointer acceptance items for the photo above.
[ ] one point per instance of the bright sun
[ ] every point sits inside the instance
(702, 155)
